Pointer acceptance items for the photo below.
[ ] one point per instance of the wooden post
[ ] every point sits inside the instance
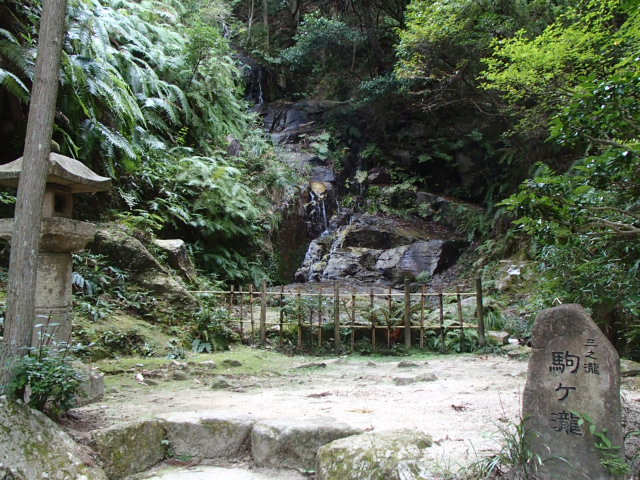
(422, 318)
(336, 317)
(320, 296)
(373, 320)
(353, 319)
(480, 312)
(389, 306)
(442, 332)
(241, 313)
(263, 313)
(253, 326)
(407, 315)
(460, 318)
(299, 299)
(231, 289)
(281, 314)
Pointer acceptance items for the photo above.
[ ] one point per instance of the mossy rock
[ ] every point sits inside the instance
(371, 456)
(207, 434)
(294, 443)
(32, 447)
(130, 448)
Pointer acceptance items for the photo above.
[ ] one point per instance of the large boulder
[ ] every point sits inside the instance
(294, 443)
(178, 257)
(371, 456)
(432, 256)
(130, 448)
(352, 262)
(123, 250)
(373, 248)
(207, 434)
(34, 447)
(129, 254)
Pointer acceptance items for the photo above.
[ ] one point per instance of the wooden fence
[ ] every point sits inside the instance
(308, 314)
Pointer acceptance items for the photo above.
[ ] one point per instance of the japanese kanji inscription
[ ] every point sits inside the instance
(573, 370)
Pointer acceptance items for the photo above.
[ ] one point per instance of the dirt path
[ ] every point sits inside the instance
(459, 400)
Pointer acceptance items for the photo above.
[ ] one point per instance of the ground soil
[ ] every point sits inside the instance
(470, 400)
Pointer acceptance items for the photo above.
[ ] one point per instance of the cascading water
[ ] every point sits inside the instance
(317, 213)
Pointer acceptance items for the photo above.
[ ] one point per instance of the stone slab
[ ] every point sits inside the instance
(574, 371)
(371, 456)
(202, 472)
(207, 434)
(130, 448)
(294, 443)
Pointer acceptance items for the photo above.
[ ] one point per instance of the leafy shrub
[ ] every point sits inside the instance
(47, 378)
(210, 330)
(318, 37)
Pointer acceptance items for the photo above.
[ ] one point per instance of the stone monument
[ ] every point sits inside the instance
(572, 394)
(60, 236)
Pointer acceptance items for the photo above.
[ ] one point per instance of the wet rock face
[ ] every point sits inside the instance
(374, 248)
(288, 121)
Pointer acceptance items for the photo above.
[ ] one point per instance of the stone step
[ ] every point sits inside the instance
(135, 447)
(224, 473)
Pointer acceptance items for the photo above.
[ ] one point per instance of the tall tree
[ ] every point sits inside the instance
(23, 261)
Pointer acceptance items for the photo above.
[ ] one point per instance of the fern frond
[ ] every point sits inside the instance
(14, 85)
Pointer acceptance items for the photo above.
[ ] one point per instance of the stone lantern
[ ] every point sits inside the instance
(60, 236)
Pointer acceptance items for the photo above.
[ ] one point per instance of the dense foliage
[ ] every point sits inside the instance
(586, 220)
(150, 96)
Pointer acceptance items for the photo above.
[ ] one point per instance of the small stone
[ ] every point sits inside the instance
(179, 375)
(231, 363)
(520, 352)
(209, 364)
(401, 381)
(179, 365)
(407, 364)
(221, 383)
(151, 383)
(629, 368)
(312, 365)
(426, 377)
(501, 338)
(371, 364)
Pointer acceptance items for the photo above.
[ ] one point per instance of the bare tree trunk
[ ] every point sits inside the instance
(251, 12)
(23, 261)
(265, 20)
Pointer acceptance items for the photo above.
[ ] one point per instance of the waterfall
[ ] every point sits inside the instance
(317, 212)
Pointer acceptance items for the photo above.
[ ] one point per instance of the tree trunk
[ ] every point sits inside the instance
(250, 20)
(265, 20)
(23, 261)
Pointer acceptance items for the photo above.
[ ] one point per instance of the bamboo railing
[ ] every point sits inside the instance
(352, 310)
